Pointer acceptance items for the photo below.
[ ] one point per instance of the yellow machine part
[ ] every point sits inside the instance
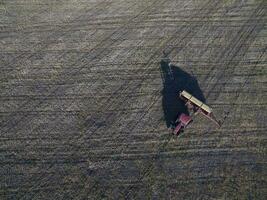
(196, 101)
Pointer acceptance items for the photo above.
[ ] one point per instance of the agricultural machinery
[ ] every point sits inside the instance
(195, 105)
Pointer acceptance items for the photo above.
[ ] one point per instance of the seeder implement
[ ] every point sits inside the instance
(196, 106)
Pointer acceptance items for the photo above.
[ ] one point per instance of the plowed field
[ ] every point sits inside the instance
(84, 103)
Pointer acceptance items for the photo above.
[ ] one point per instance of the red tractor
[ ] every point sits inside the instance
(182, 121)
(196, 106)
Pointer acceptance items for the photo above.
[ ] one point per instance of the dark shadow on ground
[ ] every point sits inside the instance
(175, 80)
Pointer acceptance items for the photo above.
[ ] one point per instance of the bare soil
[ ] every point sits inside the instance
(84, 107)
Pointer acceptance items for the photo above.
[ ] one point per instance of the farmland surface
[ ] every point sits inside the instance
(82, 111)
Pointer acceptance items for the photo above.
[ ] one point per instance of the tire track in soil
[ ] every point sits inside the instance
(236, 3)
(11, 117)
(113, 33)
(134, 17)
(179, 49)
(249, 33)
(237, 48)
(57, 34)
(152, 57)
(96, 54)
(249, 37)
(148, 171)
(130, 128)
(239, 90)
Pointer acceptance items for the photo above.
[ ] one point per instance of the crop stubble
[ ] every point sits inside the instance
(81, 111)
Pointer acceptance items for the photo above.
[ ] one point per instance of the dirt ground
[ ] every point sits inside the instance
(82, 111)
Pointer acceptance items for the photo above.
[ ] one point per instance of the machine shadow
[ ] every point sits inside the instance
(174, 81)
